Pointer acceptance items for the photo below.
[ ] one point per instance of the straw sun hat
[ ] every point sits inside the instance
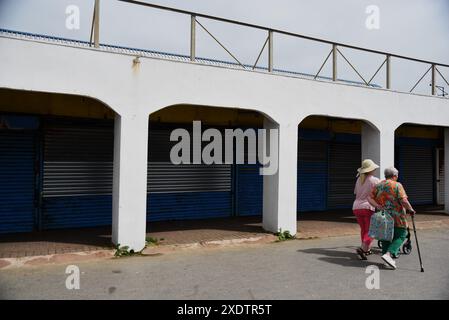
(368, 165)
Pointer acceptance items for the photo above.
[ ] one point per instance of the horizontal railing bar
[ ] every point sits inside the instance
(297, 35)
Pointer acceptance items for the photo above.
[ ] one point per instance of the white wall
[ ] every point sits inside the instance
(154, 84)
(111, 78)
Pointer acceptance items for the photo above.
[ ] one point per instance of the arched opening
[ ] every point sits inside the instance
(56, 160)
(330, 151)
(221, 199)
(420, 159)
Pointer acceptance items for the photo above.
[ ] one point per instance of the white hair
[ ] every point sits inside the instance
(391, 172)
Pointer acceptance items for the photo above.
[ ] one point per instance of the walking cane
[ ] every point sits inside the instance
(417, 244)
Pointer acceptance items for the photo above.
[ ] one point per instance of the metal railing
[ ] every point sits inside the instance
(334, 53)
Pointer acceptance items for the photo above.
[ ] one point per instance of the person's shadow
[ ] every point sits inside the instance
(343, 257)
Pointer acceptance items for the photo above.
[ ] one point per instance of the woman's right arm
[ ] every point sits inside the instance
(406, 204)
(374, 203)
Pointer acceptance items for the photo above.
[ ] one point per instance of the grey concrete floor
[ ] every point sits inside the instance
(298, 269)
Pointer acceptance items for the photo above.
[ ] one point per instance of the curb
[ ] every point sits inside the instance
(208, 244)
(54, 259)
(83, 256)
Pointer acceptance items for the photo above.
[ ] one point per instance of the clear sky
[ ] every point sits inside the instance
(416, 28)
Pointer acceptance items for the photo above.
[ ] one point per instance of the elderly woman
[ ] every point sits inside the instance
(362, 209)
(389, 195)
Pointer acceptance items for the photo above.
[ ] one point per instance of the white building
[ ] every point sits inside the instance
(84, 139)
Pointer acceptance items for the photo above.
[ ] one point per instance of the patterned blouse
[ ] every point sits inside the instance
(388, 194)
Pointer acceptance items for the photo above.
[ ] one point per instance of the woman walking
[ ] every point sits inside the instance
(389, 196)
(362, 209)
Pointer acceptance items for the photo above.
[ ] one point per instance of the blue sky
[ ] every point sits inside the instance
(416, 28)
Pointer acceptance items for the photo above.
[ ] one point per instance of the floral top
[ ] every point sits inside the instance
(388, 194)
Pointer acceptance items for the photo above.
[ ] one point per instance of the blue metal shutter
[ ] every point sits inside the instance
(248, 190)
(17, 181)
(416, 173)
(344, 160)
(248, 184)
(440, 180)
(188, 191)
(312, 175)
(77, 173)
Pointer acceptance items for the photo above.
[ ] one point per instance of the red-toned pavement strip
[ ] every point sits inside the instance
(344, 223)
(181, 233)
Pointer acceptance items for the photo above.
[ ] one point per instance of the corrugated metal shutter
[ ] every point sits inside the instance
(188, 191)
(312, 175)
(441, 176)
(344, 160)
(248, 184)
(165, 177)
(416, 173)
(249, 190)
(78, 170)
(17, 181)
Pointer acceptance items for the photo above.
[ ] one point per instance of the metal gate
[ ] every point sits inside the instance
(17, 180)
(248, 190)
(416, 172)
(312, 175)
(77, 173)
(344, 159)
(188, 191)
(440, 176)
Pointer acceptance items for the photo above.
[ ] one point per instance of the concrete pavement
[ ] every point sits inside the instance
(298, 269)
(58, 243)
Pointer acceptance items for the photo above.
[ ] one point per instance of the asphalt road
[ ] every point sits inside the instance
(306, 269)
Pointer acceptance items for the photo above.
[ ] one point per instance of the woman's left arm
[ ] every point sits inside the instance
(404, 200)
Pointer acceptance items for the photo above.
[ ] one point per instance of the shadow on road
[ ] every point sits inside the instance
(342, 257)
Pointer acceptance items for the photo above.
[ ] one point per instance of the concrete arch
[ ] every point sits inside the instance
(421, 124)
(74, 132)
(160, 109)
(372, 124)
(53, 103)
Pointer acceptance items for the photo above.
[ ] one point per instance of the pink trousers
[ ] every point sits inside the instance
(363, 218)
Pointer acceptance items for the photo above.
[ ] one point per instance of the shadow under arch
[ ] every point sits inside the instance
(227, 197)
(330, 150)
(419, 157)
(66, 154)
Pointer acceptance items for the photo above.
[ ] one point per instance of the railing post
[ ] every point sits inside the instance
(433, 79)
(334, 62)
(270, 51)
(192, 37)
(97, 24)
(388, 76)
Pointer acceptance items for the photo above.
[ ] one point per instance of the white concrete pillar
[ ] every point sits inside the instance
(387, 150)
(446, 170)
(279, 190)
(378, 146)
(370, 143)
(130, 181)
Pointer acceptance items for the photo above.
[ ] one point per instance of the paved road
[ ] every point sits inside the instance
(307, 269)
